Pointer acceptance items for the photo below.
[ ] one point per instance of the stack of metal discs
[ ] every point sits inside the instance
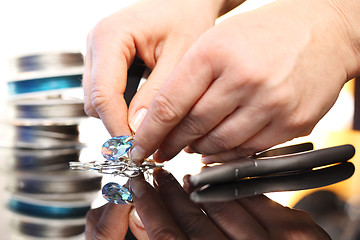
(45, 199)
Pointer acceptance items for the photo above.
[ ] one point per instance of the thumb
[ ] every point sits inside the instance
(156, 79)
(106, 80)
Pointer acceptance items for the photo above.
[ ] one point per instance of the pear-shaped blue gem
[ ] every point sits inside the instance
(116, 147)
(115, 193)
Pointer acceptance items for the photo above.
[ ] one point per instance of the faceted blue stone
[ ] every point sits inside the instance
(116, 147)
(115, 193)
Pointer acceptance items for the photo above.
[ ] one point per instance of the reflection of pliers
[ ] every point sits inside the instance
(274, 163)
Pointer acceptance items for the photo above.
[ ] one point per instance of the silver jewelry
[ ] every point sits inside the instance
(117, 163)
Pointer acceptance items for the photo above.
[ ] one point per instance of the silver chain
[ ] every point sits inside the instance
(120, 167)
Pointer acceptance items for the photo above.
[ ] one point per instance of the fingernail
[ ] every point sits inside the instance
(135, 217)
(207, 159)
(188, 149)
(137, 119)
(137, 154)
(160, 157)
(188, 187)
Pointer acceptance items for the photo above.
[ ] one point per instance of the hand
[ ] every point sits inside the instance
(111, 222)
(159, 32)
(167, 213)
(256, 80)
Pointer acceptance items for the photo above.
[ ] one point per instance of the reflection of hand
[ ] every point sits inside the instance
(159, 32)
(111, 221)
(167, 213)
(253, 81)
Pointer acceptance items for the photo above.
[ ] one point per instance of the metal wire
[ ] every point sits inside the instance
(121, 167)
(46, 61)
(50, 108)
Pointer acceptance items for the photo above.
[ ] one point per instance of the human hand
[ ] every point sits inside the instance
(159, 32)
(256, 80)
(167, 213)
(112, 221)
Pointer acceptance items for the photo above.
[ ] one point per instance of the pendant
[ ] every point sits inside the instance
(116, 147)
(115, 193)
(117, 162)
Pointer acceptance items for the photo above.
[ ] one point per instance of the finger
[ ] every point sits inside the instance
(92, 218)
(86, 81)
(273, 216)
(170, 57)
(108, 226)
(225, 156)
(136, 226)
(172, 103)
(209, 111)
(237, 128)
(269, 136)
(188, 216)
(188, 186)
(157, 221)
(112, 54)
(234, 220)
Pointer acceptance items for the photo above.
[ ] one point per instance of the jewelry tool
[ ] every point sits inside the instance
(287, 182)
(260, 166)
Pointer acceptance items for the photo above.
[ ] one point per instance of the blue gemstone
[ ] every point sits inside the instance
(116, 147)
(115, 193)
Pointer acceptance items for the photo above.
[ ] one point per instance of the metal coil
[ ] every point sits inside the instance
(57, 182)
(46, 61)
(42, 159)
(46, 227)
(48, 209)
(44, 84)
(44, 137)
(49, 108)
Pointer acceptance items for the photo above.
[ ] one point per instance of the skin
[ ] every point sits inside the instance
(255, 80)
(251, 82)
(159, 32)
(224, 91)
(166, 212)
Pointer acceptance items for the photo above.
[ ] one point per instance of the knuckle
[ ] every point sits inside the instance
(205, 51)
(301, 124)
(89, 110)
(192, 126)
(164, 111)
(276, 102)
(100, 233)
(217, 141)
(165, 234)
(190, 223)
(98, 99)
(280, 99)
(243, 151)
(100, 31)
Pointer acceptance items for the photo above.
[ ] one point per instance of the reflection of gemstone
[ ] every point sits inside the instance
(116, 147)
(115, 193)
